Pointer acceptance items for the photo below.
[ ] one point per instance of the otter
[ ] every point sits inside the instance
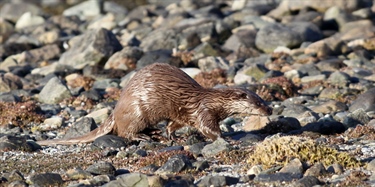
(160, 92)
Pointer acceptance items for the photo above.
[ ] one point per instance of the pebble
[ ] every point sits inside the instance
(71, 57)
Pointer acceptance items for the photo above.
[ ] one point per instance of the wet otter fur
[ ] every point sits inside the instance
(163, 92)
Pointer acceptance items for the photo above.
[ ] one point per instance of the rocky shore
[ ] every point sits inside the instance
(63, 64)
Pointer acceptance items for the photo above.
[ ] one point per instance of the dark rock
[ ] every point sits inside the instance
(325, 127)
(308, 31)
(217, 181)
(131, 179)
(8, 97)
(21, 71)
(176, 163)
(102, 168)
(54, 92)
(196, 148)
(172, 148)
(91, 48)
(201, 165)
(8, 142)
(280, 177)
(47, 179)
(284, 125)
(271, 36)
(184, 181)
(110, 141)
(50, 109)
(215, 148)
(77, 113)
(9, 49)
(307, 182)
(141, 152)
(366, 101)
(81, 127)
(335, 168)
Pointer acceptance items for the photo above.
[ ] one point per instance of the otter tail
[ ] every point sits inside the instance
(103, 129)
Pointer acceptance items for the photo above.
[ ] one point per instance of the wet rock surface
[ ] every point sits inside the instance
(63, 64)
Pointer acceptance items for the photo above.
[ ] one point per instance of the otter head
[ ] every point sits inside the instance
(247, 102)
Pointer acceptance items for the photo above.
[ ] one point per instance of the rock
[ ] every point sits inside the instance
(215, 148)
(27, 20)
(99, 180)
(50, 109)
(92, 94)
(365, 101)
(204, 50)
(271, 36)
(6, 29)
(255, 70)
(8, 97)
(254, 122)
(316, 170)
(54, 92)
(255, 170)
(371, 165)
(149, 57)
(52, 123)
(319, 48)
(86, 9)
(217, 181)
(109, 141)
(126, 59)
(210, 63)
(338, 78)
(330, 106)
(75, 174)
(277, 177)
(131, 179)
(106, 21)
(9, 81)
(307, 181)
(8, 142)
(293, 167)
(320, 5)
(47, 179)
(90, 48)
(335, 168)
(15, 176)
(81, 127)
(18, 184)
(102, 168)
(44, 53)
(359, 116)
(159, 39)
(99, 115)
(13, 11)
(307, 79)
(176, 163)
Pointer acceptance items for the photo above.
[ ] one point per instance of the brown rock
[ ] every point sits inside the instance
(253, 123)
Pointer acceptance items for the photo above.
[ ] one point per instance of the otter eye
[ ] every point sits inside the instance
(243, 95)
